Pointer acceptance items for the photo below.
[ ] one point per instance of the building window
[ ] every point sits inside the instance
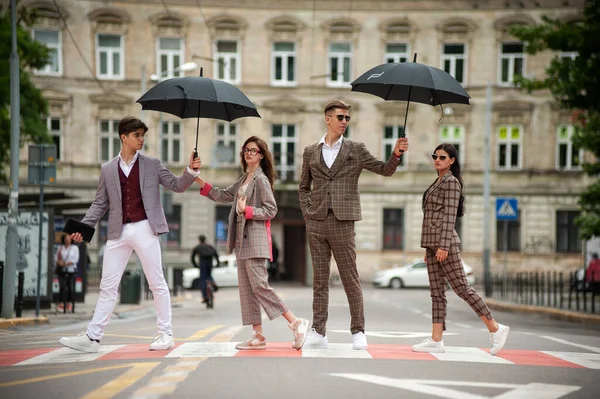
(512, 62)
(110, 143)
(396, 52)
(391, 134)
(340, 64)
(170, 141)
(226, 143)
(513, 236)
(567, 232)
(455, 135)
(453, 60)
(51, 39)
(567, 155)
(283, 143)
(393, 229)
(283, 65)
(510, 138)
(54, 126)
(174, 224)
(170, 54)
(227, 61)
(109, 56)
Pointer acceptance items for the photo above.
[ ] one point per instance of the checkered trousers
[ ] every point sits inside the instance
(324, 238)
(452, 270)
(255, 292)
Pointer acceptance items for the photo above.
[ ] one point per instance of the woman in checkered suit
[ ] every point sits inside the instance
(443, 202)
(250, 236)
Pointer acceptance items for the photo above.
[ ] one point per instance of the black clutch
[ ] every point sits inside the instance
(73, 226)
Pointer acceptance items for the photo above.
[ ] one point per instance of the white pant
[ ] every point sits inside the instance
(139, 237)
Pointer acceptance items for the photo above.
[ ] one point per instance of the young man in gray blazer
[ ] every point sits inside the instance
(330, 203)
(129, 191)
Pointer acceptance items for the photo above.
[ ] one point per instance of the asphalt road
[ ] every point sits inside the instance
(543, 358)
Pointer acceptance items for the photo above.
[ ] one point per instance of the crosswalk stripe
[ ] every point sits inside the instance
(67, 355)
(473, 355)
(587, 360)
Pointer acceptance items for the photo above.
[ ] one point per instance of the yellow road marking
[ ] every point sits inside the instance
(167, 382)
(50, 366)
(203, 333)
(112, 388)
(226, 335)
(63, 375)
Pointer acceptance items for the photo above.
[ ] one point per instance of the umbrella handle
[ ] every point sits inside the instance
(195, 156)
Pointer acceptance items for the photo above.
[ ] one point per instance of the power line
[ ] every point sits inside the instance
(88, 66)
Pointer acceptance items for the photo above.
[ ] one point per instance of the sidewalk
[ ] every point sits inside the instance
(83, 311)
(556, 313)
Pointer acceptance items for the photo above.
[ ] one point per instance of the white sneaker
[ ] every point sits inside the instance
(299, 328)
(359, 341)
(162, 342)
(498, 339)
(429, 346)
(314, 340)
(80, 343)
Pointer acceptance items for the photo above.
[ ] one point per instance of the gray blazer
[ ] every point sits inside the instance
(249, 233)
(108, 196)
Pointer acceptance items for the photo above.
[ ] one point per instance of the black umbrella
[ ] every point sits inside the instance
(198, 97)
(411, 81)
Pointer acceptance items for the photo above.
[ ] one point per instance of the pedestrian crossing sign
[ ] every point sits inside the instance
(507, 209)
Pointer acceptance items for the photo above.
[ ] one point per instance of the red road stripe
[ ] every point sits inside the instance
(385, 351)
(276, 349)
(535, 358)
(136, 351)
(9, 358)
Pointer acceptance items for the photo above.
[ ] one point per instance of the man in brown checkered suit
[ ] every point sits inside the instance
(330, 203)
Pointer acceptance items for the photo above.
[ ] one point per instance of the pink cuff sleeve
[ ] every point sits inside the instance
(204, 191)
(249, 212)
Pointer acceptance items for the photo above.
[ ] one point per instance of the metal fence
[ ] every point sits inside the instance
(549, 289)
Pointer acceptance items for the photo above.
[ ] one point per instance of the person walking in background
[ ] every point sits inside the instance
(250, 236)
(66, 260)
(442, 203)
(592, 274)
(330, 204)
(205, 253)
(129, 190)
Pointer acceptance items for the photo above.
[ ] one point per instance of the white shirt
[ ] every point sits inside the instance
(126, 167)
(330, 153)
(70, 256)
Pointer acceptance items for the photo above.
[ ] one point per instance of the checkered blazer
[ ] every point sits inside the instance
(321, 187)
(250, 232)
(440, 205)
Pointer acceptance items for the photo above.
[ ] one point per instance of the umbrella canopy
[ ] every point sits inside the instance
(198, 97)
(411, 81)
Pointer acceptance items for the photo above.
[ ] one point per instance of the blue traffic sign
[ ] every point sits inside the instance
(507, 209)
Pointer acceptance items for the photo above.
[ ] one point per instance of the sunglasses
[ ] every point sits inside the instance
(251, 151)
(441, 157)
(342, 117)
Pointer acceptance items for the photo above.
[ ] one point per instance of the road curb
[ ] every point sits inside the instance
(551, 312)
(22, 321)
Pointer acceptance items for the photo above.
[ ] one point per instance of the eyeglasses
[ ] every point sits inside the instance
(441, 157)
(251, 151)
(342, 117)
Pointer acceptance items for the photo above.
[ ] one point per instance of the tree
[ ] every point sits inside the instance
(32, 55)
(575, 85)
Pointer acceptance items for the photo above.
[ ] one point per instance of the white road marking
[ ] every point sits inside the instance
(67, 355)
(440, 388)
(589, 360)
(564, 341)
(395, 334)
(337, 351)
(204, 349)
(462, 354)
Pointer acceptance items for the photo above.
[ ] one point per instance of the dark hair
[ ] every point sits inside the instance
(131, 124)
(335, 104)
(456, 172)
(202, 238)
(63, 238)
(266, 163)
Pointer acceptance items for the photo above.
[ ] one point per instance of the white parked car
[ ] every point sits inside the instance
(225, 274)
(413, 274)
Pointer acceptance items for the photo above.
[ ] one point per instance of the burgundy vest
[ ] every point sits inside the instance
(131, 194)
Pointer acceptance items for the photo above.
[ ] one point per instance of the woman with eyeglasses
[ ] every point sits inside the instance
(443, 202)
(250, 236)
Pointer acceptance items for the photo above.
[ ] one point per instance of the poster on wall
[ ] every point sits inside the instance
(28, 230)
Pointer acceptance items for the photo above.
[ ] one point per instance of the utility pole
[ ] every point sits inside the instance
(10, 269)
(487, 277)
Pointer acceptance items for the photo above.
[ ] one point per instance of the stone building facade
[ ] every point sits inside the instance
(291, 58)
